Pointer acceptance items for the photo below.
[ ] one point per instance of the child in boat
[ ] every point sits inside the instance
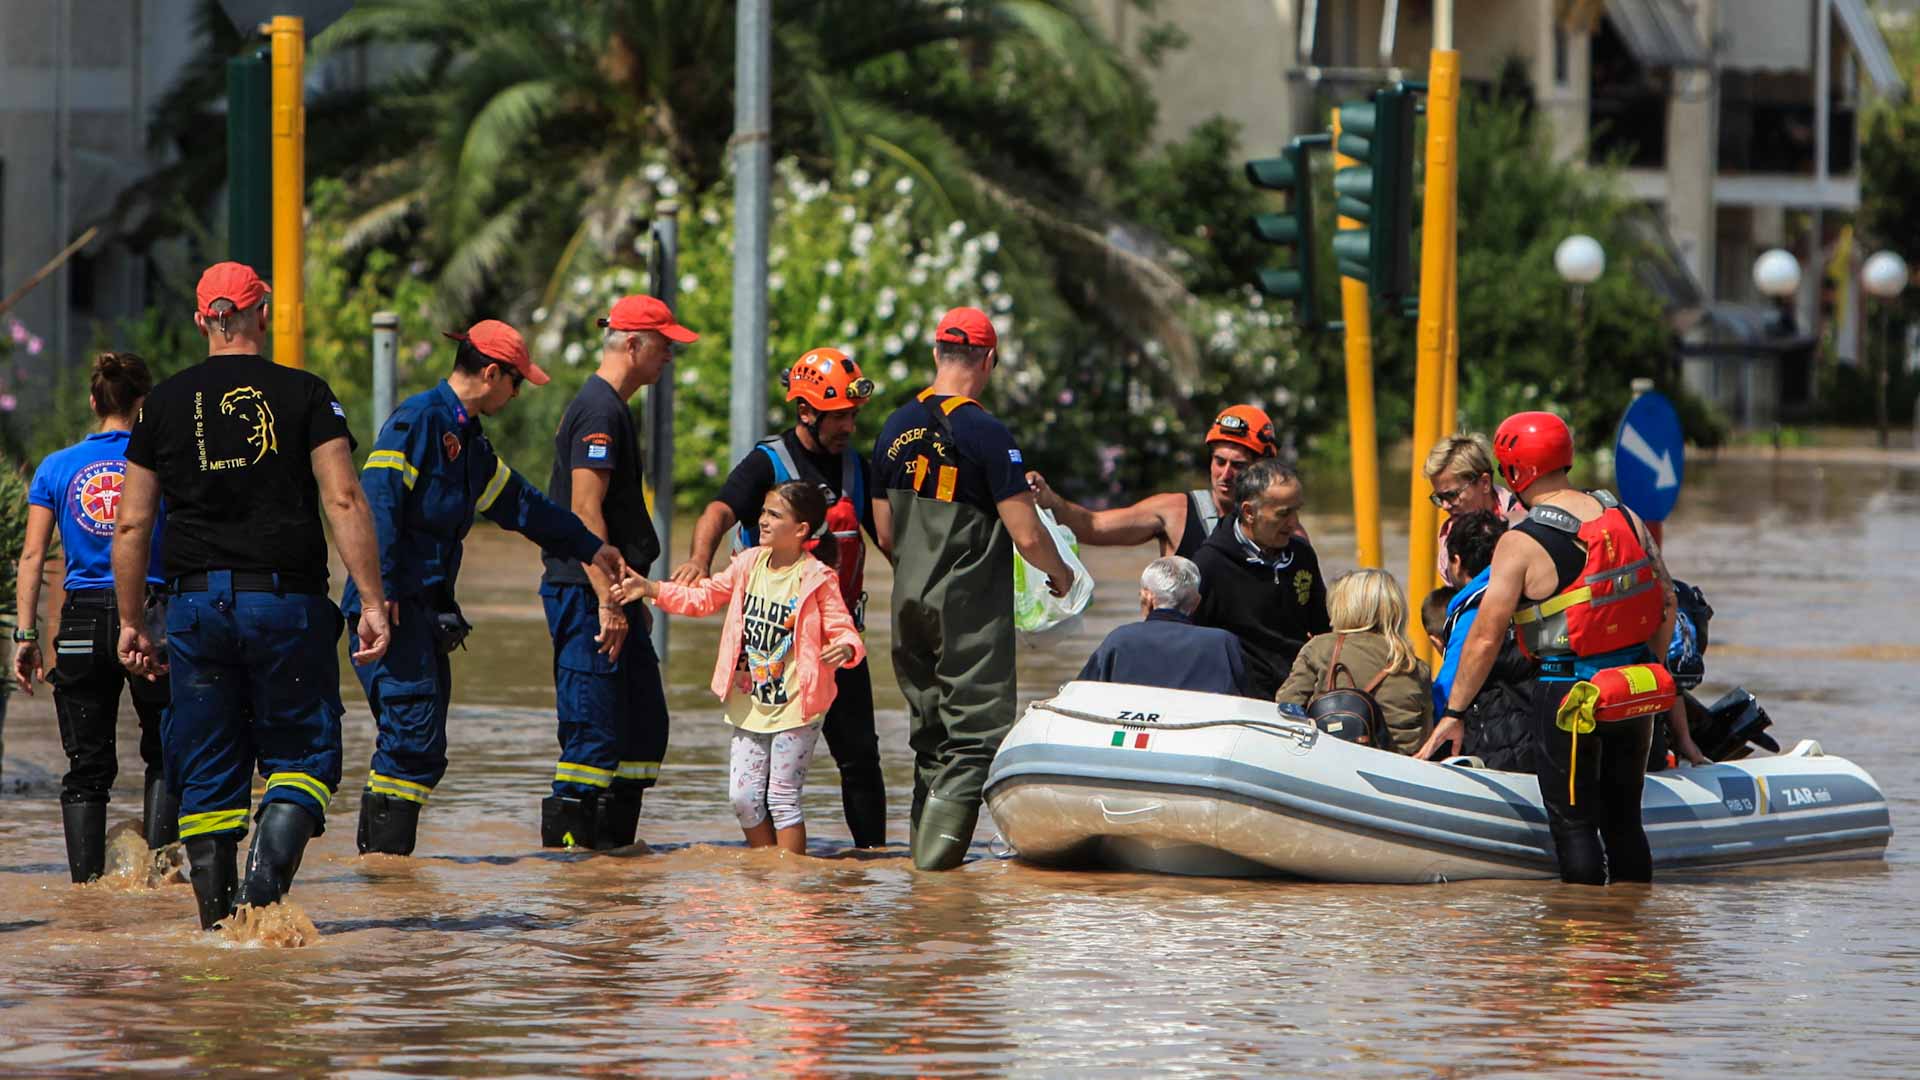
(787, 630)
(1369, 616)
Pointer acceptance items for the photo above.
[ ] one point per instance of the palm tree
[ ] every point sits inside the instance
(527, 123)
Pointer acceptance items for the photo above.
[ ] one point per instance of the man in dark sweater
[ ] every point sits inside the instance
(1165, 648)
(1261, 582)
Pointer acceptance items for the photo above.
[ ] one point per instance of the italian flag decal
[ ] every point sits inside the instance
(1139, 741)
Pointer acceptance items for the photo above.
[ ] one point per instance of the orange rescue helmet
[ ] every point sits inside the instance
(828, 380)
(1244, 426)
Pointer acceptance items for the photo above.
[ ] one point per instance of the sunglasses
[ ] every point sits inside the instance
(1445, 499)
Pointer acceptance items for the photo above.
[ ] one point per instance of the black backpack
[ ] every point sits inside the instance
(1349, 712)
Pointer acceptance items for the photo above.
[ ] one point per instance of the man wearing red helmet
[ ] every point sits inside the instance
(827, 390)
(607, 691)
(432, 470)
(1584, 588)
(1239, 436)
(960, 507)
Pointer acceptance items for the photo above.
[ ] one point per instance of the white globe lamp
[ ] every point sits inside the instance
(1777, 273)
(1579, 260)
(1884, 275)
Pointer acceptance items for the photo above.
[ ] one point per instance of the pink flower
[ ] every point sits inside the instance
(34, 345)
(8, 403)
(1066, 397)
(710, 468)
(422, 350)
(18, 331)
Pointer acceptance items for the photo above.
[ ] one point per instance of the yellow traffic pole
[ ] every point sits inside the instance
(1436, 288)
(1450, 367)
(289, 37)
(1362, 442)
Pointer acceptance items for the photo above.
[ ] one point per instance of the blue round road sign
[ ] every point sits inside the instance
(1649, 457)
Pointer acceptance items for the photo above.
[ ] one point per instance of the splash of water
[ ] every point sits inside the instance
(284, 925)
(132, 867)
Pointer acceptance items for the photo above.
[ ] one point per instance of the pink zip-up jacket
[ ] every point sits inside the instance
(821, 621)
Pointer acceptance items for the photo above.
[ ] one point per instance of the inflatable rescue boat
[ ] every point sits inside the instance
(1140, 778)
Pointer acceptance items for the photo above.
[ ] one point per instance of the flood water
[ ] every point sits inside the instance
(486, 956)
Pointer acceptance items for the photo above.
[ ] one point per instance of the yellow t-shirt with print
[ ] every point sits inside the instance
(766, 680)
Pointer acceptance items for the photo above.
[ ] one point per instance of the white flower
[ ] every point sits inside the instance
(970, 249)
(1223, 320)
(903, 186)
(897, 371)
(582, 286)
(776, 282)
(776, 254)
(862, 235)
(825, 306)
(574, 352)
(848, 214)
(849, 328)
(957, 229)
(1283, 397)
(892, 346)
(883, 310)
(654, 173)
(549, 341)
(1159, 425)
(990, 281)
(860, 177)
(667, 187)
(711, 217)
(539, 314)
(689, 284)
(832, 268)
(1002, 303)
(689, 376)
(624, 278)
(991, 241)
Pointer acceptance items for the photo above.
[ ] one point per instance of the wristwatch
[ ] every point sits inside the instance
(30, 633)
(1454, 714)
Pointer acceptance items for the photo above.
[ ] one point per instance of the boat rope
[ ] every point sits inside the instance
(1304, 734)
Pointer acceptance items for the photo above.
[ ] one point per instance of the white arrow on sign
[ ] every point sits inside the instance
(1662, 465)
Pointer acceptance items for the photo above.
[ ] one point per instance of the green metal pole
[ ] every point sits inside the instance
(250, 161)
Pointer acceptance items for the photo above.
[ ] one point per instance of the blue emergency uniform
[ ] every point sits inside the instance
(430, 470)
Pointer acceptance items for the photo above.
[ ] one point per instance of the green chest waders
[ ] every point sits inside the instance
(953, 651)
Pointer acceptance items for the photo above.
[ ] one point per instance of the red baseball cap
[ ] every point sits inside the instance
(498, 341)
(229, 281)
(640, 312)
(967, 326)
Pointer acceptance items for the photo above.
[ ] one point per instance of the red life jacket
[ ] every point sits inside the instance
(1614, 603)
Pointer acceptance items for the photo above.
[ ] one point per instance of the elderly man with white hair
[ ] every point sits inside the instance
(1165, 648)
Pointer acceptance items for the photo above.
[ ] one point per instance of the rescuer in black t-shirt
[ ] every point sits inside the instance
(612, 707)
(247, 454)
(827, 390)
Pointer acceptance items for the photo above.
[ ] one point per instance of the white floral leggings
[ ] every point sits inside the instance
(766, 771)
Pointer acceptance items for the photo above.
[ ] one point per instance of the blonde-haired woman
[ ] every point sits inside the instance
(1369, 615)
(1460, 470)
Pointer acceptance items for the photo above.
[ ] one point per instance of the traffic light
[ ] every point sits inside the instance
(1292, 173)
(1376, 190)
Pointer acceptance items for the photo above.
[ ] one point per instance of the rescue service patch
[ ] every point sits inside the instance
(451, 443)
(95, 496)
(596, 451)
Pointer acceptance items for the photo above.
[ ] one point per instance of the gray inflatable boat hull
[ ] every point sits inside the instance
(1141, 778)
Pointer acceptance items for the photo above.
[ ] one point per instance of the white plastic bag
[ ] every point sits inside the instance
(1035, 608)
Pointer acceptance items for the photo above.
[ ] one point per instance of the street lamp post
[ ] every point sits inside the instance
(1776, 273)
(1579, 260)
(1885, 275)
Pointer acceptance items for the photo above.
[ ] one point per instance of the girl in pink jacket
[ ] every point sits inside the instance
(787, 630)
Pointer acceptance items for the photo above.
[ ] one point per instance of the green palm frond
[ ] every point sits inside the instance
(479, 254)
(501, 130)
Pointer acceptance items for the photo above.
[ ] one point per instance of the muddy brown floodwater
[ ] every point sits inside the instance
(487, 956)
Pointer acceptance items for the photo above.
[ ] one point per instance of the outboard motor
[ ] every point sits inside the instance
(1731, 727)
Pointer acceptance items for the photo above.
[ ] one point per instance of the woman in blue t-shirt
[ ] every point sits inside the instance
(78, 489)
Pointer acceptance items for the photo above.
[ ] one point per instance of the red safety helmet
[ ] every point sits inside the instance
(828, 380)
(1244, 426)
(1530, 445)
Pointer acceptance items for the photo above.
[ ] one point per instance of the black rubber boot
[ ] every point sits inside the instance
(86, 827)
(919, 807)
(865, 803)
(620, 818)
(161, 815)
(566, 822)
(944, 834)
(280, 836)
(387, 824)
(210, 862)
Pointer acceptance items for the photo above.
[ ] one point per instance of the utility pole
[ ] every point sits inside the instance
(289, 46)
(753, 175)
(664, 277)
(1436, 334)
